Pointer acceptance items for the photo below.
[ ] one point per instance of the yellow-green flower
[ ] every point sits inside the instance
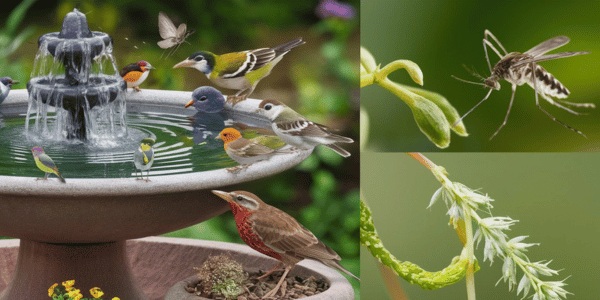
(96, 292)
(51, 290)
(116, 298)
(73, 293)
(69, 284)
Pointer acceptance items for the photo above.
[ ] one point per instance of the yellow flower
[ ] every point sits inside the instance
(73, 293)
(96, 292)
(51, 290)
(68, 284)
(116, 298)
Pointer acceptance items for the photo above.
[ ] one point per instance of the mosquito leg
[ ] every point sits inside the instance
(487, 33)
(553, 118)
(473, 108)
(512, 98)
(486, 44)
(581, 105)
(559, 105)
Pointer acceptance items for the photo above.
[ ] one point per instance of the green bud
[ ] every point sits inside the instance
(449, 111)
(367, 61)
(431, 121)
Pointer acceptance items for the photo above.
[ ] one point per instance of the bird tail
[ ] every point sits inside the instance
(62, 179)
(284, 48)
(339, 150)
(336, 265)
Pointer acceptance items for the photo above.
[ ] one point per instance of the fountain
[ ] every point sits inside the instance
(93, 229)
(78, 49)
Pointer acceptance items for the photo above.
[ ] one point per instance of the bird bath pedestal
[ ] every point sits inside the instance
(80, 230)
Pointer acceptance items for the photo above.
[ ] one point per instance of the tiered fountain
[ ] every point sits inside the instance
(83, 229)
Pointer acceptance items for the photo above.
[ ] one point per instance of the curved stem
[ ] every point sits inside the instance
(402, 93)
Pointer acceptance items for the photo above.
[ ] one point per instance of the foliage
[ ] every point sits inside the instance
(465, 207)
(11, 39)
(67, 291)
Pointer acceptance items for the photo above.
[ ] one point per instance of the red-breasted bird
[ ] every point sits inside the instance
(45, 163)
(134, 74)
(274, 233)
(296, 130)
(239, 70)
(247, 151)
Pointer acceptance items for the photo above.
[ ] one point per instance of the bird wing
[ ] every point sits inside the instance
(263, 56)
(282, 233)
(309, 129)
(244, 147)
(234, 64)
(129, 68)
(47, 162)
(148, 155)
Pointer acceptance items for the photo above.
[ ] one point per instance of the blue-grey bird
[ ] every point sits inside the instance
(144, 157)
(45, 163)
(207, 99)
(5, 86)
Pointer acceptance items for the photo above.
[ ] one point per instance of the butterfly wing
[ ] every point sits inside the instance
(166, 28)
(181, 32)
(168, 43)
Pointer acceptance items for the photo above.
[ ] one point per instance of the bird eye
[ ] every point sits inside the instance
(240, 198)
(203, 98)
(199, 58)
(268, 107)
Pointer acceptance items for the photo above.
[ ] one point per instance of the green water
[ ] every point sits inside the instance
(185, 143)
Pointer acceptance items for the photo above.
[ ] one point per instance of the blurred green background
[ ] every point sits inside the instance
(319, 80)
(553, 195)
(442, 36)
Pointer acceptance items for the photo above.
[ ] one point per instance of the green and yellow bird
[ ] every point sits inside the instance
(45, 163)
(144, 157)
(239, 70)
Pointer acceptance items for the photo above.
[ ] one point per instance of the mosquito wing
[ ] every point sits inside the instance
(548, 57)
(547, 46)
(166, 28)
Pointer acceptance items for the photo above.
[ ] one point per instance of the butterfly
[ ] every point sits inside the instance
(171, 35)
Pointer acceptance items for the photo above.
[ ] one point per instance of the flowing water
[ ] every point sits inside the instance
(184, 143)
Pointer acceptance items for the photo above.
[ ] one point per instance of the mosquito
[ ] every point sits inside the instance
(520, 68)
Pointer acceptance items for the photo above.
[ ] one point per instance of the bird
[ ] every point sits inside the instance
(245, 151)
(6, 84)
(296, 130)
(45, 163)
(207, 99)
(239, 70)
(274, 233)
(143, 157)
(134, 74)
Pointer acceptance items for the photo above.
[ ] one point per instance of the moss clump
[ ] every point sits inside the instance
(220, 275)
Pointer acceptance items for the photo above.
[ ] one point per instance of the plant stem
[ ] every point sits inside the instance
(422, 159)
(470, 247)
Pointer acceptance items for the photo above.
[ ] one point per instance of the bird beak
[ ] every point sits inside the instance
(223, 195)
(189, 103)
(186, 63)
(218, 137)
(15, 82)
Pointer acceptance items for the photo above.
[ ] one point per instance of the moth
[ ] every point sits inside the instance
(171, 35)
(520, 68)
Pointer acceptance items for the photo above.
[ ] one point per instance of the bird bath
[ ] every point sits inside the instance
(80, 230)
